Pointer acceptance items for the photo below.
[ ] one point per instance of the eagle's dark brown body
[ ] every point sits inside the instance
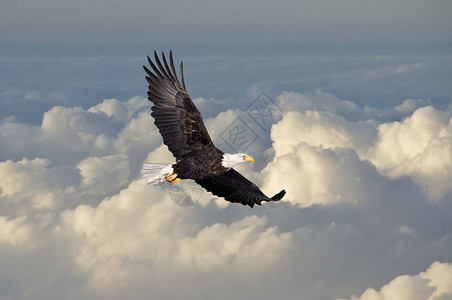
(200, 164)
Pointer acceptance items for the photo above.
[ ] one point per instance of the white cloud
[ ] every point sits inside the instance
(317, 100)
(433, 284)
(314, 175)
(73, 203)
(440, 277)
(140, 232)
(74, 153)
(69, 134)
(63, 131)
(322, 129)
(400, 141)
(16, 233)
(420, 146)
(112, 108)
(34, 185)
(102, 174)
(119, 111)
(248, 245)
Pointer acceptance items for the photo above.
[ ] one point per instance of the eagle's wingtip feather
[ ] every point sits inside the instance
(279, 196)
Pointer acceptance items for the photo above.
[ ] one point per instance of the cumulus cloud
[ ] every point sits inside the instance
(433, 284)
(314, 175)
(421, 147)
(16, 233)
(247, 244)
(73, 203)
(140, 233)
(75, 152)
(418, 146)
(322, 129)
(34, 185)
(104, 173)
(68, 134)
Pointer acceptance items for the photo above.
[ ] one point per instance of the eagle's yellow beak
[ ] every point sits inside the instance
(248, 158)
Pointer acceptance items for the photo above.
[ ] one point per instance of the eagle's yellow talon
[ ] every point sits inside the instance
(175, 180)
(172, 178)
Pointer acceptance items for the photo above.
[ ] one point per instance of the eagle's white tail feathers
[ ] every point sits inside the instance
(156, 174)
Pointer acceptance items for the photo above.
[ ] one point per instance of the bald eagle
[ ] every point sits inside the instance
(183, 131)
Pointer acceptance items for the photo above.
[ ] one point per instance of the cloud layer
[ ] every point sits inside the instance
(368, 201)
(327, 144)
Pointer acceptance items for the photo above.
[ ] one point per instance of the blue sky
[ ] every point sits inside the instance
(233, 22)
(362, 144)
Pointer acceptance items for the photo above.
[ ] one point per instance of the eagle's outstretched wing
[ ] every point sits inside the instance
(233, 187)
(175, 114)
(184, 132)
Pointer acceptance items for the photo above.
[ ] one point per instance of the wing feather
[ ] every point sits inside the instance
(175, 115)
(235, 188)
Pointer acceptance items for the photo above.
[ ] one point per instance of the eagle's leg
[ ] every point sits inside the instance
(172, 178)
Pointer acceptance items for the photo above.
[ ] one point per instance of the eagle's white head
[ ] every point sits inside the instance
(231, 160)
